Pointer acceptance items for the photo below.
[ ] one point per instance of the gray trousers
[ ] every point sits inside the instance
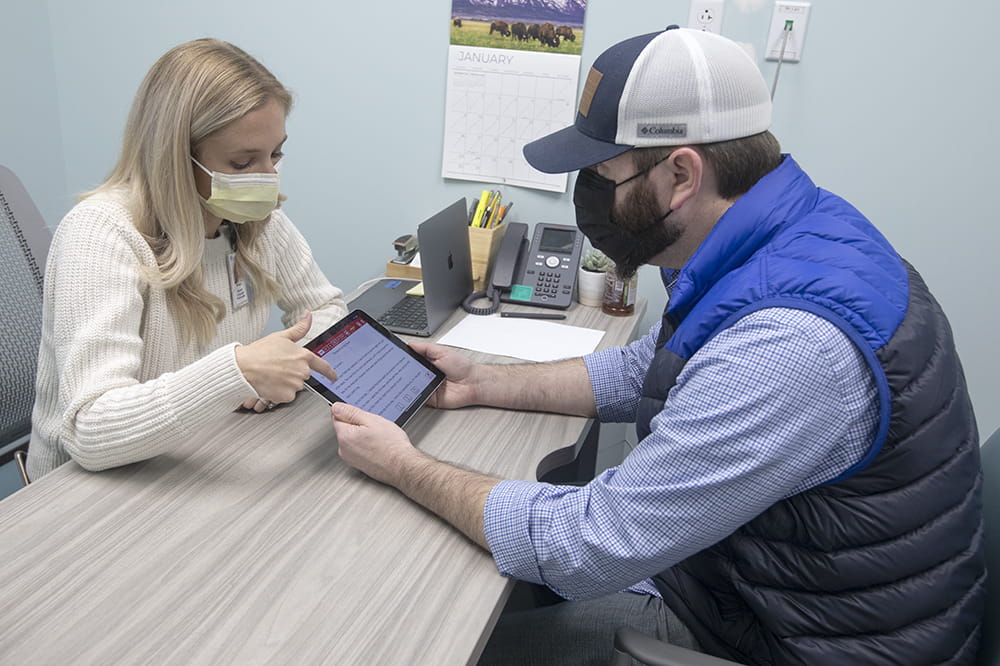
(579, 632)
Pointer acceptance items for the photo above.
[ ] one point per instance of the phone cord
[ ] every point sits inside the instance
(489, 293)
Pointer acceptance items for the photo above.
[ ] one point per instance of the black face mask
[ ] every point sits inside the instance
(594, 198)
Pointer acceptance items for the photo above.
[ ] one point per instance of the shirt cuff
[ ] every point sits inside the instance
(507, 518)
(506, 525)
(615, 404)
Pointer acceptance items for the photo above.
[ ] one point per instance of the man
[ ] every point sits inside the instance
(806, 485)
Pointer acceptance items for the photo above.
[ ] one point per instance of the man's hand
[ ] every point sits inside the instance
(277, 368)
(461, 387)
(369, 443)
(381, 449)
(562, 387)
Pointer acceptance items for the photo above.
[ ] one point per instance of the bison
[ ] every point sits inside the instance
(532, 31)
(519, 30)
(457, 23)
(566, 32)
(501, 27)
(547, 35)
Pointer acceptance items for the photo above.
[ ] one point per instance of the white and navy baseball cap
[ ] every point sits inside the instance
(670, 88)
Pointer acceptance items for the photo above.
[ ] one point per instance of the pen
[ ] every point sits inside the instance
(497, 207)
(532, 315)
(505, 211)
(491, 208)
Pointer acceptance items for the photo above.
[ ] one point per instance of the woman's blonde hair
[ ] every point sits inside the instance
(193, 90)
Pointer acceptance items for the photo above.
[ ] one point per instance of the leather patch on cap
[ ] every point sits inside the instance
(589, 89)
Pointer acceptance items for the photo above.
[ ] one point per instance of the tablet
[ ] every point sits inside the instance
(376, 371)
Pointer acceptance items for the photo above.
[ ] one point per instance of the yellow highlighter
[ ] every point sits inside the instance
(478, 217)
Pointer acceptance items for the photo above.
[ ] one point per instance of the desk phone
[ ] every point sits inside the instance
(541, 270)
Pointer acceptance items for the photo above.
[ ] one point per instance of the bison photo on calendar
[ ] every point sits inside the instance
(554, 26)
(513, 73)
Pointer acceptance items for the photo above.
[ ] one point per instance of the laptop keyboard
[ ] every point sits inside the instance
(408, 313)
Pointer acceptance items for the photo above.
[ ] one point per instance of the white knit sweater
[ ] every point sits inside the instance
(116, 382)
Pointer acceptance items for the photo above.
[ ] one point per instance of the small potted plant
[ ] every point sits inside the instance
(590, 282)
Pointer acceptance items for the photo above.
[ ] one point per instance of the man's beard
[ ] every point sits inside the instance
(653, 233)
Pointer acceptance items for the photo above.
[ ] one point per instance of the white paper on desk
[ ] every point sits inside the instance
(528, 339)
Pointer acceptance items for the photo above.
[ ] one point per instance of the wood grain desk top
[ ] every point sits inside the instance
(255, 544)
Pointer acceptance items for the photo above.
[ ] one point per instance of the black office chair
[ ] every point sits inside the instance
(989, 649)
(631, 644)
(24, 246)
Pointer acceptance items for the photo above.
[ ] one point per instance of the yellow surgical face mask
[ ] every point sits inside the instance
(241, 197)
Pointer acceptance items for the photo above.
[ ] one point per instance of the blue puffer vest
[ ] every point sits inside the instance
(884, 564)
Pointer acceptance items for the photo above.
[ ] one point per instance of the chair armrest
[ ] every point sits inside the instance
(21, 458)
(631, 643)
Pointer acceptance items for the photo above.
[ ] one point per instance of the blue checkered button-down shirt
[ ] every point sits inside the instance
(780, 402)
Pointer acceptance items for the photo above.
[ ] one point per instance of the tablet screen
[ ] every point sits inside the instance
(376, 371)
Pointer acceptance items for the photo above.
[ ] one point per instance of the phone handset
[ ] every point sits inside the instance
(504, 266)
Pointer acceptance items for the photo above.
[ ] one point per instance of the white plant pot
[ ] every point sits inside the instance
(590, 288)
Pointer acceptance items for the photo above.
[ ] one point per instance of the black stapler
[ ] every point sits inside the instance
(406, 246)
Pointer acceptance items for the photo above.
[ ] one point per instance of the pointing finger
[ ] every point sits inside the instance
(322, 367)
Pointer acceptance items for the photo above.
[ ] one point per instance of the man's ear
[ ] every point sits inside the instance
(688, 169)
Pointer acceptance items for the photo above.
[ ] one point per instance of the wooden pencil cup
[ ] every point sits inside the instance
(483, 244)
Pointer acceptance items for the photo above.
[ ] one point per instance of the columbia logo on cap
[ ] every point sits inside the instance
(663, 129)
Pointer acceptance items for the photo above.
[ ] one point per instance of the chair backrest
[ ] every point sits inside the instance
(24, 246)
(989, 649)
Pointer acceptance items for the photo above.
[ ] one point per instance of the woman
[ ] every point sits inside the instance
(159, 278)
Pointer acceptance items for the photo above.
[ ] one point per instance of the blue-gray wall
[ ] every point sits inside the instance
(893, 106)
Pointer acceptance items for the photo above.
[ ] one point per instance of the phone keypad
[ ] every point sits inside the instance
(548, 284)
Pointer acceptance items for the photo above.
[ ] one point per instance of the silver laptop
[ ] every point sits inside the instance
(446, 269)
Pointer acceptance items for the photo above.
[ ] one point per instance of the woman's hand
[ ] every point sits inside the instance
(277, 368)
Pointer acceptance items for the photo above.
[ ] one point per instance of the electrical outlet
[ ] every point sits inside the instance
(706, 15)
(798, 14)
